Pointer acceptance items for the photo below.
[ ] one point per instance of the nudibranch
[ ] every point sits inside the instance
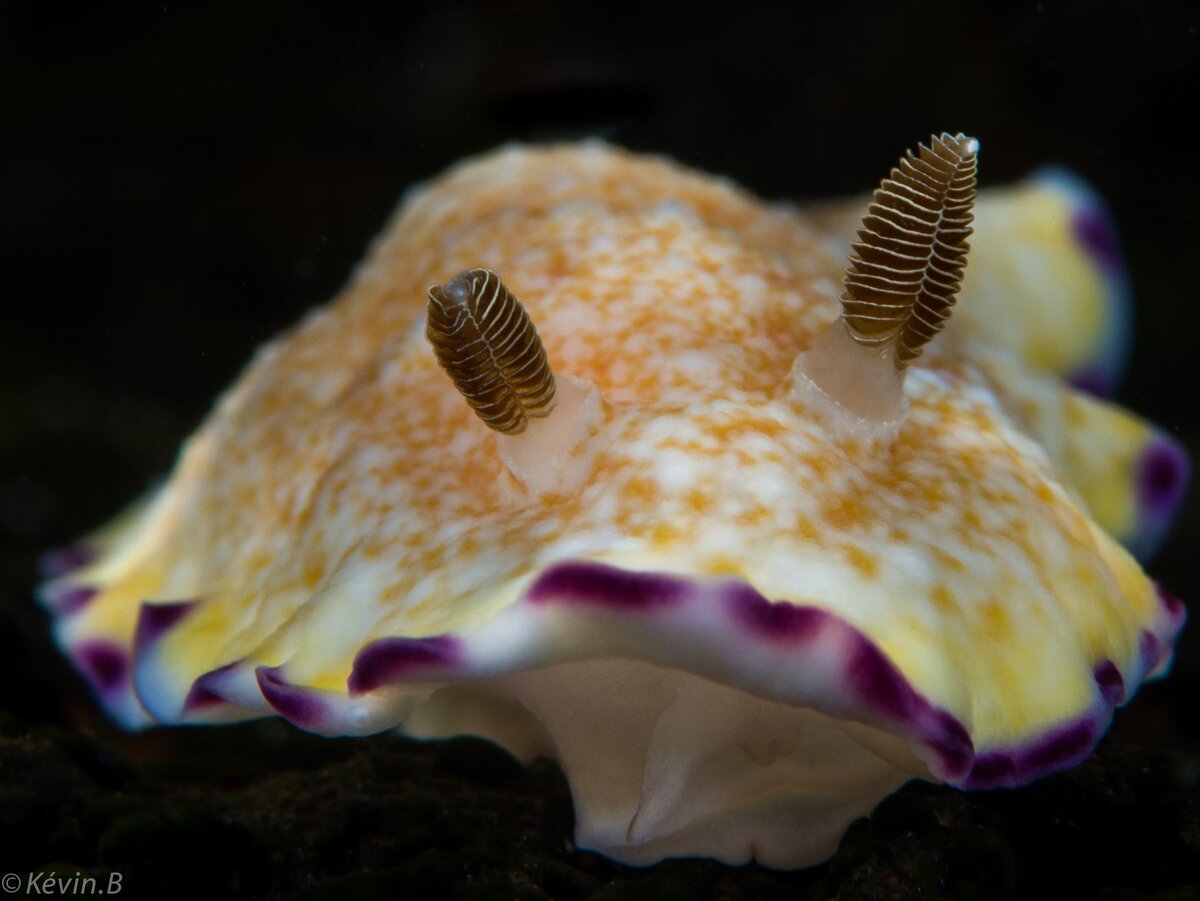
(644, 484)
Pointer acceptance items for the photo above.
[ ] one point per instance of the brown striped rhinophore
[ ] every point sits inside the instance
(487, 344)
(908, 263)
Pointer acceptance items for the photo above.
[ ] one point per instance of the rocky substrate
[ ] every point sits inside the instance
(262, 810)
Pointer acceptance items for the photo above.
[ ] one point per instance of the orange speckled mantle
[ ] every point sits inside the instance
(343, 494)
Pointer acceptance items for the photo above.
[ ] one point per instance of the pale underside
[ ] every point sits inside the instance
(696, 768)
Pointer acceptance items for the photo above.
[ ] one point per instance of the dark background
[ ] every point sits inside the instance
(180, 182)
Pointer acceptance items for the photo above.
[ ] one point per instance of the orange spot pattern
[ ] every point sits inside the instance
(344, 472)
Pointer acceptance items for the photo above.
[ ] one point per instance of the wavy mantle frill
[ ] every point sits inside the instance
(523, 680)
